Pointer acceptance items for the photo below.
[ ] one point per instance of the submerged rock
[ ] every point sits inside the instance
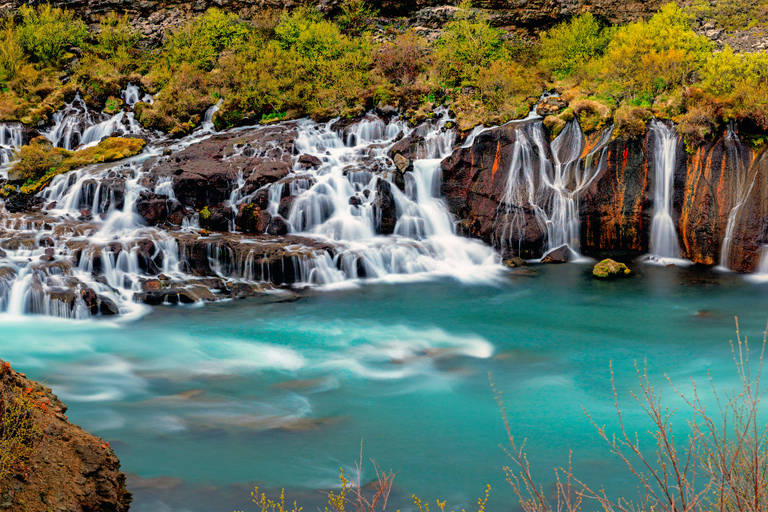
(608, 269)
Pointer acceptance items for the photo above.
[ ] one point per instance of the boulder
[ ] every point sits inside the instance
(384, 208)
(609, 269)
(156, 208)
(562, 254)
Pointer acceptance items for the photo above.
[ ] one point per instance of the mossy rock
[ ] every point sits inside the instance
(609, 269)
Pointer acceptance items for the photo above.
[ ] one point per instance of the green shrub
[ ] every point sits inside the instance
(116, 36)
(654, 56)
(46, 32)
(570, 45)
(11, 52)
(467, 44)
(200, 41)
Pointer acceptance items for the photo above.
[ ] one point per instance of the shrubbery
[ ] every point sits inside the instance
(46, 32)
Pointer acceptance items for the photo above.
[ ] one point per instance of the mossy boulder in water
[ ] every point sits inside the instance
(609, 269)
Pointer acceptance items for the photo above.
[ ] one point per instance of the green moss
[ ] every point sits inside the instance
(39, 162)
(609, 268)
(205, 214)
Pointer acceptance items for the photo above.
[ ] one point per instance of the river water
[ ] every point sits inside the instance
(202, 403)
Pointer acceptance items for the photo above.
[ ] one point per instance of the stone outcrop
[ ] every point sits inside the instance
(69, 469)
(616, 209)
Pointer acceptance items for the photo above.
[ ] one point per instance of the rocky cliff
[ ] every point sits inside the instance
(68, 469)
(719, 204)
(153, 17)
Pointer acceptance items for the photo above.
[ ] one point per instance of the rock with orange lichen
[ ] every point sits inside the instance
(68, 468)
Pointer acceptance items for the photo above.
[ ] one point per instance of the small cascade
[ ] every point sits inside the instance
(11, 139)
(132, 96)
(77, 126)
(543, 188)
(733, 153)
(664, 242)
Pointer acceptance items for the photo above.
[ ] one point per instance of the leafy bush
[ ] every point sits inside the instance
(402, 60)
(731, 14)
(11, 51)
(46, 32)
(570, 45)
(654, 56)
(467, 44)
(200, 41)
(116, 36)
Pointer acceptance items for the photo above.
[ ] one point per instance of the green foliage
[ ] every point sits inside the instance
(731, 14)
(116, 36)
(356, 17)
(200, 41)
(570, 45)
(654, 56)
(725, 71)
(467, 44)
(46, 32)
(38, 162)
(11, 52)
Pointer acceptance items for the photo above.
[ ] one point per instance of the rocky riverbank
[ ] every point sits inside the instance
(68, 469)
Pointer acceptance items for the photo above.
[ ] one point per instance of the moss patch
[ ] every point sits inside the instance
(608, 269)
(39, 161)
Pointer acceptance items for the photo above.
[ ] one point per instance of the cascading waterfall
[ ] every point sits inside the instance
(92, 239)
(10, 140)
(743, 188)
(664, 242)
(77, 126)
(546, 191)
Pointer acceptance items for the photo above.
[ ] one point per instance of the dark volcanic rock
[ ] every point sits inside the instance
(157, 208)
(205, 174)
(562, 254)
(474, 184)
(616, 209)
(384, 208)
(708, 185)
(750, 231)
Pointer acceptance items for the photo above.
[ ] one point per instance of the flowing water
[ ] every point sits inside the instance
(734, 149)
(664, 243)
(202, 403)
(548, 184)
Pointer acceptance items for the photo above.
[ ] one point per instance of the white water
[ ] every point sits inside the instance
(546, 190)
(10, 141)
(77, 127)
(664, 243)
(744, 187)
(91, 218)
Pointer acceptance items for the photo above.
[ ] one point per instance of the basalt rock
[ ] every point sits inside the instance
(69, 469)
(156, 208)
(474, 184)
(384, 208)
(711, 183)
(206, 173)
(616, 210)
(750, 231)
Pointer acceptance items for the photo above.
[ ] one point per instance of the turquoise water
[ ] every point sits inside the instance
(201, 403)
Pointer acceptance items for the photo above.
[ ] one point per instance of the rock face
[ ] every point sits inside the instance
(474, 183)
(719, 205)
(69, 469)
(616, 210)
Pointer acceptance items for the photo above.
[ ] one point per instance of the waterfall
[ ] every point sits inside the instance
(11, 136)
(77, 126)
(664, 243)
(542, 191)
(743, 189)
(91, 251)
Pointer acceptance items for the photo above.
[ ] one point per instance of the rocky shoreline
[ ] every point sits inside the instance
(69, 469)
